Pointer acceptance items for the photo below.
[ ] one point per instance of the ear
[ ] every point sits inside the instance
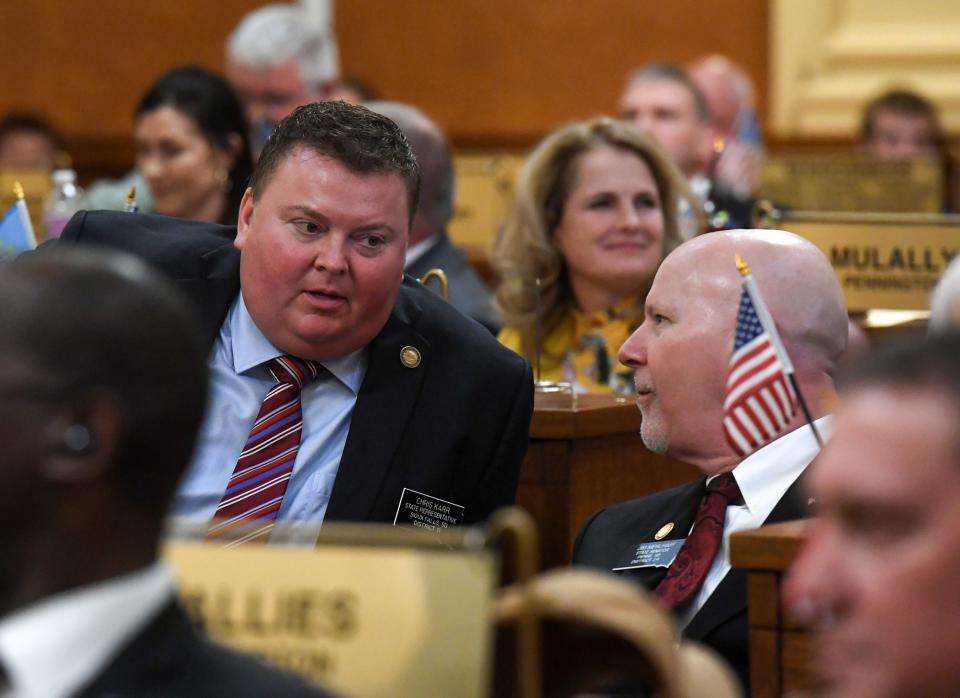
(244, 218)
(83, 442)
(234, 146)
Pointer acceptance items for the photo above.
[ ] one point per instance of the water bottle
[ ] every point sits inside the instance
(62, 203)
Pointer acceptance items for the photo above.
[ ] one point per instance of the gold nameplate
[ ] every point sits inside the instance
(882, 261)
(369, 612)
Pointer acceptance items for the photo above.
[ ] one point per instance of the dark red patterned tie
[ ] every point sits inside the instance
(256, 488)
(688, 570)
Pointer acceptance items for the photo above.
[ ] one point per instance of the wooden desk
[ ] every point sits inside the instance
(582, 457)
(781, 653)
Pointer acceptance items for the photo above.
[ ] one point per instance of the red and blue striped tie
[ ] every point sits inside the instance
(256, 488)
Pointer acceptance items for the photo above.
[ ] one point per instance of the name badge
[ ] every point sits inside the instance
(658, 553)
(423, 511)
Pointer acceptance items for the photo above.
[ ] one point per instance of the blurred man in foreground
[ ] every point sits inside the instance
(430, 247)
(676, 542)
(102, 387)
(879, 573)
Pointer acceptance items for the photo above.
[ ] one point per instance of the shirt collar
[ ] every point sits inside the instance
(765, 475)
(55, 646)
(417, 250)
(251, 348)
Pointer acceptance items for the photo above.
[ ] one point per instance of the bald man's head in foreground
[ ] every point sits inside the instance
(681, 352)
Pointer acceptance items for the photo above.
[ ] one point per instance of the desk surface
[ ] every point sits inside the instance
(559, 416)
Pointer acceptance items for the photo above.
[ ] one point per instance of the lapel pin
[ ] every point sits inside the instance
(410, 357)
(664, 531)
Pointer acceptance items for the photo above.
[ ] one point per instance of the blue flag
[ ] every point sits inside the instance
(16, 232)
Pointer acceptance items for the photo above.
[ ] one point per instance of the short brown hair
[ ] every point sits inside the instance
(363, 141)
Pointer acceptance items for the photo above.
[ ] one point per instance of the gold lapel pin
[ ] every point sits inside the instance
(664, 531)
(410, 357)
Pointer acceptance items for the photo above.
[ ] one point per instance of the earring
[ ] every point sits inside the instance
(77, 438)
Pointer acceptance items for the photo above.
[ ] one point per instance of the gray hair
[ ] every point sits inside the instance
(277, 33)
(670, 73)
(946, 293)
(432, 152)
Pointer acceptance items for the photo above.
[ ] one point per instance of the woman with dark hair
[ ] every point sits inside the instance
(192, 146)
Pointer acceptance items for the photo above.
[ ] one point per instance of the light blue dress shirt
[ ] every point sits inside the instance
(238, 383)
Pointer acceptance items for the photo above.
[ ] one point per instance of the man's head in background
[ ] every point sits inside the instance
(102, 388)
(663, 102)
(278, 58)
(681, 352)
(729, 92)
(901, 125)
(27, 142)
(437, 186)
(323, 229)
(878, 575)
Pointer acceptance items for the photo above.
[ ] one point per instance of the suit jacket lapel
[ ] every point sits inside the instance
(384, 406)
(681, 513)
(215, 288)
(730, 596)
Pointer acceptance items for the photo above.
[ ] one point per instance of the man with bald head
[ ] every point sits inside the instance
(681, 356)
(429, 246)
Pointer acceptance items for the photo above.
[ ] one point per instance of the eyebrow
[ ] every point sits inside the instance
(318, 216)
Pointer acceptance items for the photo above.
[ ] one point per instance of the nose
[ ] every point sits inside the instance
(150, 166)
(629, 216)
(633, 352)
(329, 255)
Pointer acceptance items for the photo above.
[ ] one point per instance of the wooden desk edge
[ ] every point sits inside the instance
(770, 547)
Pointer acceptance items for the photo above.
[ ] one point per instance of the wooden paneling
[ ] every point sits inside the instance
(494, 73)
(501, 71)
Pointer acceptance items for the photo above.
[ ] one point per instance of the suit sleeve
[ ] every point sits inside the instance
(499, 485)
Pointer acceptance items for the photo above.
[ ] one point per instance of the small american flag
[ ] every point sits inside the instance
(760, 399)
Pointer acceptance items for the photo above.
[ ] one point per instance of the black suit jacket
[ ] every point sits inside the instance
(455, 427)
(170, 658)
(468, 293)
(609, 538)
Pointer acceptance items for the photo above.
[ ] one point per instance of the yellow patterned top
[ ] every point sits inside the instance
(582, 349)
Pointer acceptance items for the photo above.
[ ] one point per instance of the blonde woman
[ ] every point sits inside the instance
(596, 212)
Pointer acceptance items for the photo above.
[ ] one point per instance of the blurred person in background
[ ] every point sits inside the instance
(596, 213)
(27, 141)
(280, 57)
(662, 100)
(193, 152)
(901, 125)
(429, 246)
(729, 92)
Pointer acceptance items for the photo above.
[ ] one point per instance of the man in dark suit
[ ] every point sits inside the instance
(410, 399)
(102, 388)
(680, 356)
(430, 246)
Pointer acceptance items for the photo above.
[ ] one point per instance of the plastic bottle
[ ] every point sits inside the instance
(63, 202)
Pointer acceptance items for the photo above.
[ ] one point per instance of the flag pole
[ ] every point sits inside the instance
(750, 284)
(24, 214)
(131, 205)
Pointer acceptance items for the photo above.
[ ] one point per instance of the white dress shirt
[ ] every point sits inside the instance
(763, 477)
(54, 647)
(418, 249)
